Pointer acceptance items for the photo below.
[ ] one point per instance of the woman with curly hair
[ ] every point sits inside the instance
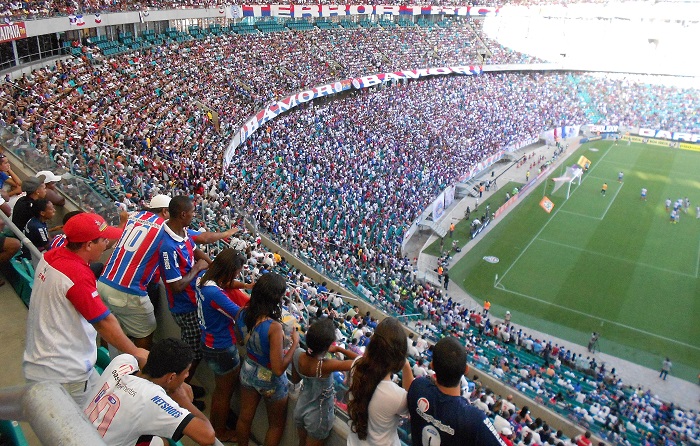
(376, 403)
(263, 372)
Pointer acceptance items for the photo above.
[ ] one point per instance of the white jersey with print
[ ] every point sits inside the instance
(125, 407)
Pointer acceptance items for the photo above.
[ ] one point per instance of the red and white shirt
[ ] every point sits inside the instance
(61, 341)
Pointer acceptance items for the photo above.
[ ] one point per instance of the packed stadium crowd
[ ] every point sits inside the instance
(337, 173)
(432, 365)
(36, 9)
(638, 104)
(134, 124)
(338, 181)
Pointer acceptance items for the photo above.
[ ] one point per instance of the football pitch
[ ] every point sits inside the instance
(611, 263)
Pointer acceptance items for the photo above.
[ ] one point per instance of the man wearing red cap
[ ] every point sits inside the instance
(66, 312)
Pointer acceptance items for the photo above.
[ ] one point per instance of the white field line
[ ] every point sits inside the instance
(544, 302)
(611, 201)
(619, 259)
(646, 168)
(548, 221)
(604, 180)
(581, 215)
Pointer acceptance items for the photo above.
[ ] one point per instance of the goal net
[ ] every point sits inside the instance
(572, 175)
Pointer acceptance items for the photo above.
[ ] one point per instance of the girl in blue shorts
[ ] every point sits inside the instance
(314, 415)
(263, 372)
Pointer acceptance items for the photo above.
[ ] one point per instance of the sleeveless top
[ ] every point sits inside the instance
(258, 344)
(317, 394)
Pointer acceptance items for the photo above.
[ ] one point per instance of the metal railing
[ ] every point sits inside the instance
(81, 191)
(51, 412)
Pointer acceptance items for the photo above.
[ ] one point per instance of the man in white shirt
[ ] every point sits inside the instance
(412, 350)
(66, 312)
(421, 344)
(419, 369)
(128, 405)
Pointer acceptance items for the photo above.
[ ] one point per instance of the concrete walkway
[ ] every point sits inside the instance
(676, 390)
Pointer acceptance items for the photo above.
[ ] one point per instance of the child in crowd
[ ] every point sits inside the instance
(36, 230)
(314, 414)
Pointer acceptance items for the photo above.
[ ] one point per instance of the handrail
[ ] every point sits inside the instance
(53, 415)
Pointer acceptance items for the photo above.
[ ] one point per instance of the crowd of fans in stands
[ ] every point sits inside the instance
(336, 172)
(134, 123)
(339, 181)
(33, 9)
(577, 386)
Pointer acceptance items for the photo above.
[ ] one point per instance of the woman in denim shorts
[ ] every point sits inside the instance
(263, 371)
(219, 348)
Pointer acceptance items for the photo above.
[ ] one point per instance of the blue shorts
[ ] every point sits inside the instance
(221, 360)
(262, 380)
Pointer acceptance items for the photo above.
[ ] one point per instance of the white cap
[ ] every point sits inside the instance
(49, 177)
(506, 431)
(159, 201)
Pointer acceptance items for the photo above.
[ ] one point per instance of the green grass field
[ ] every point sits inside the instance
(612, 264)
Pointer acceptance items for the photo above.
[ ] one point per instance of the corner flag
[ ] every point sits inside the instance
(547, 204)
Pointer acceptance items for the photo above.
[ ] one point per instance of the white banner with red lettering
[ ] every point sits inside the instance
(300, 11)
(439, 206)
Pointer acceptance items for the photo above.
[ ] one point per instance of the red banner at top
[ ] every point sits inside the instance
(12, 31)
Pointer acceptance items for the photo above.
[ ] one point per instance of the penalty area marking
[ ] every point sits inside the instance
(619, 259)
(503, 288)
(612, 200)
(556, 211)
(581, 215)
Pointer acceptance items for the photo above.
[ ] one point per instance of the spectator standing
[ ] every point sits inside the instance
(131, 267)
(376, 402)
(180, 263)
(260, 330)
(218, 341)
(314, 412)
(66, 313)
(122, 405)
